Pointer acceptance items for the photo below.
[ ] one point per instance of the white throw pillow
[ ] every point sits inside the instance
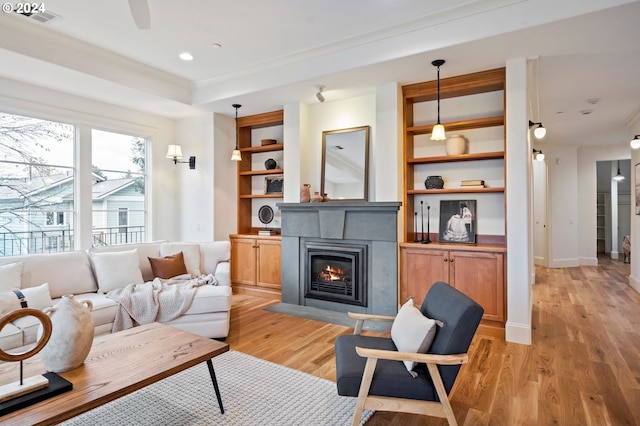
(191, 252)
(11, 276)
(412, 332)
(116, 269)
(36, 297)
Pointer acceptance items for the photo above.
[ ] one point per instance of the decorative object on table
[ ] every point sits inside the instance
(422, 240)
(72, 334)
(270, 164)
(469, 184)
(325, 197)
(265, 142)
(316, 197)
(305, 193)
(273, 184)
(30, 384)
(428, 240)
(458, 221)
(415, 228)
(456, 145)
(265, 215)
(434, 182)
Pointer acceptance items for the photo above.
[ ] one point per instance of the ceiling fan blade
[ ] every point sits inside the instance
(140, 13)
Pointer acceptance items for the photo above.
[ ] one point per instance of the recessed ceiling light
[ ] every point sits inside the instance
(186, 56)
(593, 101)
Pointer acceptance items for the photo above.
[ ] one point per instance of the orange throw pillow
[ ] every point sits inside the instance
(168, 266)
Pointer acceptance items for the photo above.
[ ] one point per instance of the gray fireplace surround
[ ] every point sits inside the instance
(373, 225)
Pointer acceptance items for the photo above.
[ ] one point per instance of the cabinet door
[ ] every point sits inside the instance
(243, 260)
(420, 269)
(481, 277)
(269, 264)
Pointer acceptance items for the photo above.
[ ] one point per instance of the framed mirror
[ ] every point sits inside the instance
(345, 164)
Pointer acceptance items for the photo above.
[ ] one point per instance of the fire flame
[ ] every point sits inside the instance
(332, 274)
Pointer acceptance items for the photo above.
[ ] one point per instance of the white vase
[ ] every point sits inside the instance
(71, 335)
(456, 145)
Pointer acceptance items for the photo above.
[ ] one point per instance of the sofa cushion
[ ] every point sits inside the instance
(210, 298)
(104, 309)
(10, 337)
(412, 332)
(145, 250)
(36, 297)
(191, 252)
(212, 253)
(11, 276)
(66, 272)
(168, 266)
(116, 269)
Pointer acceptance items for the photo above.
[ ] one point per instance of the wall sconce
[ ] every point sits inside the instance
(538, 155)
(437, 134)
(235, 155)
(539, 131)
(619, 177)
(319, 95)
(635, 142)
(175, 153)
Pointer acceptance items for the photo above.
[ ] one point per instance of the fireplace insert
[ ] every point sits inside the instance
(336, 273)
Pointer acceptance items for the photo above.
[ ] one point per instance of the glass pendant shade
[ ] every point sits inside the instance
(635, 142)
(619, 176)
(235, 156)
(539, 132)
(437, 134)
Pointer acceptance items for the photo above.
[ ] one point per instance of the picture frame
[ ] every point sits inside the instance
(637, 187)
(457, 221)
(273, 184)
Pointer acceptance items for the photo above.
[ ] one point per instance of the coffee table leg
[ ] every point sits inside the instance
(215, 384)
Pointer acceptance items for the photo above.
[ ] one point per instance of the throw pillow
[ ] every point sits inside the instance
(168, 266)
(36, 297)
(11, 276)
(116, 269)
(412, 332)
(191, 252)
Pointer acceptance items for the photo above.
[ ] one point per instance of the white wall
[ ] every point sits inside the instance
(26, 99)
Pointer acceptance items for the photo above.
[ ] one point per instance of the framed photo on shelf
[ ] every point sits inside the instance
(457, 221)
(637, 188)
(273, 184)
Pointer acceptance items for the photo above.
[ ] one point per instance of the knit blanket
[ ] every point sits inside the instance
(160, 300)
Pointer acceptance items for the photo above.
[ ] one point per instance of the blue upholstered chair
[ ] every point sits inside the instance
(371, 368)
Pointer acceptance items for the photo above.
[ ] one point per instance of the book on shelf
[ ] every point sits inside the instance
(266, 232)
(472, 186)
(472, 182)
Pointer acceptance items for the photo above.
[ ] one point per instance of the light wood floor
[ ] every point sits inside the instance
(582, 369)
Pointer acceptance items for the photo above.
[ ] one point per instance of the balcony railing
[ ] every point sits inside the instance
(50, 241)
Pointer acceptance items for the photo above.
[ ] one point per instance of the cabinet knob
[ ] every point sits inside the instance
(255, 246)
(445, 259)
(451, 260)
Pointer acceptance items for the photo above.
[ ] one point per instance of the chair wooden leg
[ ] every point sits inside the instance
(367, 376)
(442, 394)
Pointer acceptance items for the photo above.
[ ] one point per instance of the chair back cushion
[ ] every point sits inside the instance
(460, 315)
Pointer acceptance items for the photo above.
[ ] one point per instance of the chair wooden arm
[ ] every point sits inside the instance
(410, 356)
(360, 318)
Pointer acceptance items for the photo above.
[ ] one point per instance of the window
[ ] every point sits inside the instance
(36, 185)
(119, 186)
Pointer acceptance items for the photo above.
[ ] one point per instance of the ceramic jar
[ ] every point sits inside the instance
(71, 335)
(456, 145)
(316, 197)
(434, 182)
(305, 193)
(270, 164)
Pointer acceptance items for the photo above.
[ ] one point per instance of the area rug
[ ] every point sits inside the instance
(332, 317)
(254, 392)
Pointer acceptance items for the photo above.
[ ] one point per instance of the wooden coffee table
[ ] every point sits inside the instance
(117, 365)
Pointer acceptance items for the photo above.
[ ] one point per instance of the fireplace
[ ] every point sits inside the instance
(336, 273)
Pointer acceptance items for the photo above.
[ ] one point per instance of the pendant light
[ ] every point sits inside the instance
(635, 142)
(539, 132)
(619, 177)
(236, 156)
(437, 134)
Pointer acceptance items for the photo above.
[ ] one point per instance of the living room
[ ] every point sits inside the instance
(49, 76)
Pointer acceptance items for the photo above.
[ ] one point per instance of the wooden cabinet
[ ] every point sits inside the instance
(256, 263)
(478, 273)
(472, 105)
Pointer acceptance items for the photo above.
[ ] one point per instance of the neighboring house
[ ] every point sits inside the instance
(36, 215)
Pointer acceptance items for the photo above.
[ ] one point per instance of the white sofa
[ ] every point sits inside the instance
(75, 273)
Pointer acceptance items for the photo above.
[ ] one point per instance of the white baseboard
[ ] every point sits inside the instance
(615, 255)
(518, 333)
(634, 283)
(564, 263)
(588, 261)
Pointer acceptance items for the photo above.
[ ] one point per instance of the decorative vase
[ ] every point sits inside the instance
(270, 164)
(71, 335)
(434, 182)
(305, 193)
(316, 197)
(456, 145)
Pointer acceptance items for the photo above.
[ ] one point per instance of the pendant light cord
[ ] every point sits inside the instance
(438, 94)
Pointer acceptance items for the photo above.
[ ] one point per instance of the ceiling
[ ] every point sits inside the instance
(274, 52)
